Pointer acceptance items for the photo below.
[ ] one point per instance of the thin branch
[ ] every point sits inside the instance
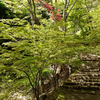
(34, 10)
(71, 7)
(37, 83)
(28, 78)
(31, 13)
(32, 73)
(67, 4)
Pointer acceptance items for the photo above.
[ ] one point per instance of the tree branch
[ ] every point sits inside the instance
(32, 73)
(67, 4)
(31, 13)
(28, 78)
(71, 7)
(34, 10)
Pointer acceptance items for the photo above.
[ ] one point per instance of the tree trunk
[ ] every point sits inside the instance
(66, 13)
(34, 11)
(51, 2)
(31, 13)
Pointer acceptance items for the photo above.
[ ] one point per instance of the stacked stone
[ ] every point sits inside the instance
(88, 76)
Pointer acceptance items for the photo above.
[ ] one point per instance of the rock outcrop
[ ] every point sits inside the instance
(60, 73)
(88, 76)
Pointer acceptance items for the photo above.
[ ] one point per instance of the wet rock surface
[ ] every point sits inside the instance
(63, 93)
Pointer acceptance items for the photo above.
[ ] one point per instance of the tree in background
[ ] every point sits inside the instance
(32, 11)
(67, 10)
(80, 19)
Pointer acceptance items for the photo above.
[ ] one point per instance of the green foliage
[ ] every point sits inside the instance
(5, 12)
(25, 53)
(80, 20)
(14, 22)
(95, 30)
(17, 9)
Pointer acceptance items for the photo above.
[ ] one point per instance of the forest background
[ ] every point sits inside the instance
(36, 34)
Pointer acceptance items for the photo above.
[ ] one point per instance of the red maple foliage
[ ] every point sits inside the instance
(37, 0)
(47, 6)
(50, 9)
(58, 16)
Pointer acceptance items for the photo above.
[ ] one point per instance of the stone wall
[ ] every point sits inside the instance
(88, 76)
